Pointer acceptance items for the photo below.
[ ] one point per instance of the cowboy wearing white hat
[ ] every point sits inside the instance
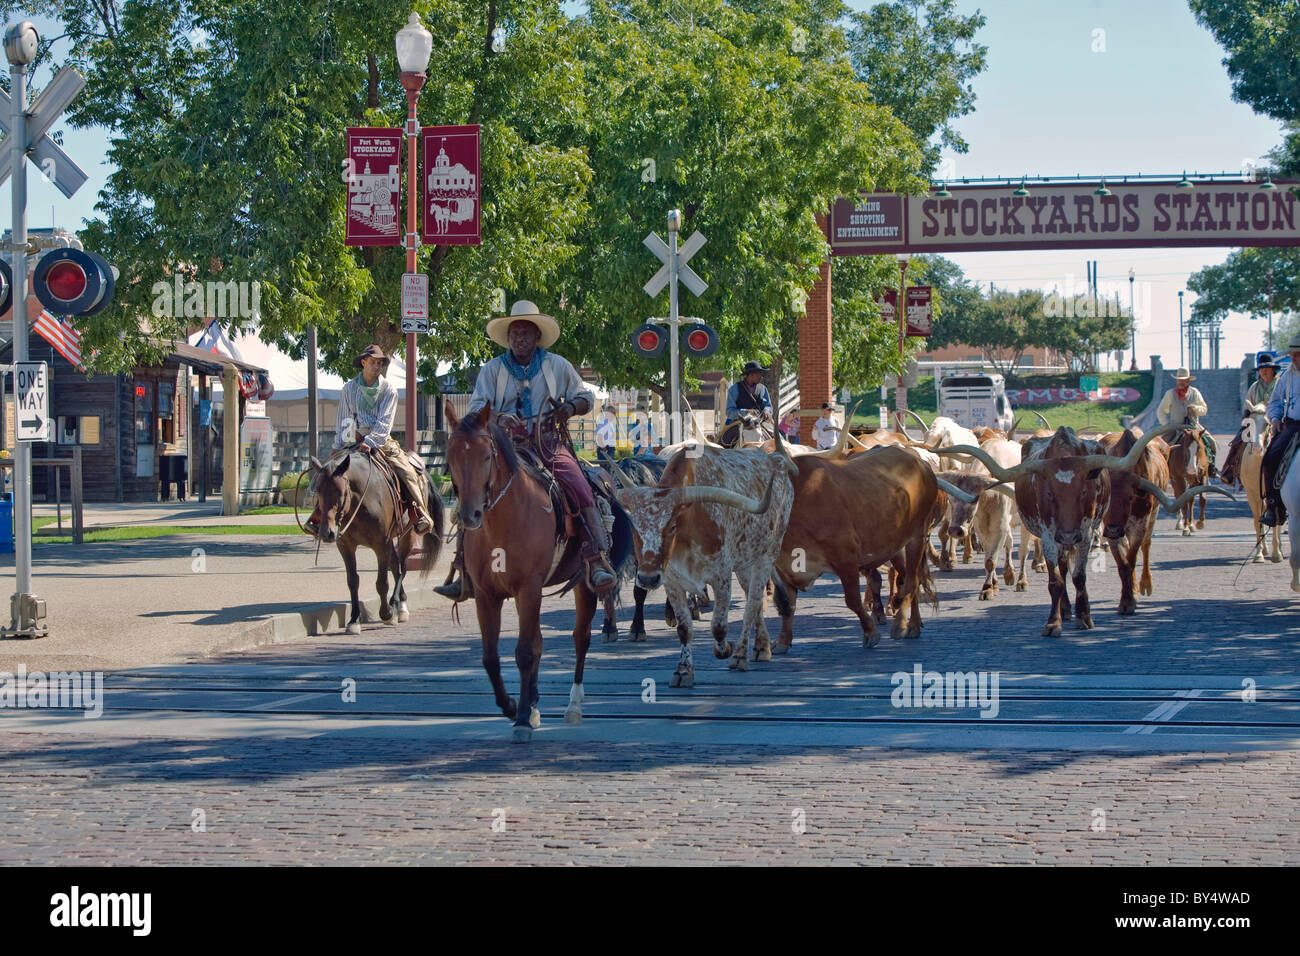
(367, 406)
(1284, 415)
(1183, 405)
(1257, 398)
(520, 384)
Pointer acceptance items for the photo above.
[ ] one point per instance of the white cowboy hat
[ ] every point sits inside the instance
(1183, 375)
(1294, 344)
(523, 311)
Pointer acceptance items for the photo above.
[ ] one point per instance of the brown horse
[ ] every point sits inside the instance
(1189, 467)
(356, 506)
(513, 549)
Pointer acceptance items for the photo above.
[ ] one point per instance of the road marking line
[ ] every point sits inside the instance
(298, 698)
(1165, 711)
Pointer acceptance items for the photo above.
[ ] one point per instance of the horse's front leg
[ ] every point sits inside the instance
(489, 625)
(399, 592)
(585, 607)
(349, 554)
(386, 561)
(528, 657)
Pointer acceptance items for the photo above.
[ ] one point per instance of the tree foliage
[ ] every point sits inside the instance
(227, 122)
(918, 58)
(1262, 39)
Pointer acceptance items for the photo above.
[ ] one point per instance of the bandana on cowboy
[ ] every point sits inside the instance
(370, 408)
(1184, 405)
(524, 391)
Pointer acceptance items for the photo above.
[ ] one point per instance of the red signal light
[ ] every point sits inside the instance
(66, 280)
(698, 340)
(648, 340)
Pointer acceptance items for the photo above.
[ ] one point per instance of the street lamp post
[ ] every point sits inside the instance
(1181, 361)
(1132, 323)
(900, 392)
(414, 47)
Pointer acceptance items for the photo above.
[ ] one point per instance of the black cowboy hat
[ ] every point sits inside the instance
(1266, 361)
(752, 367)
(372, 351)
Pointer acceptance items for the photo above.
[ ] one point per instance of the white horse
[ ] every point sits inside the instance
(1291, 499)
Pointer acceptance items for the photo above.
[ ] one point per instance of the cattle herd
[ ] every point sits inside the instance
(778, 516)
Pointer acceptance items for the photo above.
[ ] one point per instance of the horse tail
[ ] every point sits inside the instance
(432, 540)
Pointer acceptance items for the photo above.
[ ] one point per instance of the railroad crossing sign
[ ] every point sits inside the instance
(685, 274)
(673, 271)
(54, 163)
(415, 302)
(32, 412)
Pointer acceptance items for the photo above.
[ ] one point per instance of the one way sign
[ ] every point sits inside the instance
(33, 391)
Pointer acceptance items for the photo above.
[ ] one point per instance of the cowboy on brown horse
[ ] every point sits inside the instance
(367, 405)
(521, 385)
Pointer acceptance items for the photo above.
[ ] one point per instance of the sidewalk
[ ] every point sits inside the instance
(99, 514)
(182, 597)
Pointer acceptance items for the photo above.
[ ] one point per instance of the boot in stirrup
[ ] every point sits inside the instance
(453, 588)
(599, 573)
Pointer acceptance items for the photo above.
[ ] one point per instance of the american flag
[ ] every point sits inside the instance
(61, 335)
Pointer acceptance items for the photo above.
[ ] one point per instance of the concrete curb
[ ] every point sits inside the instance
(315, 621)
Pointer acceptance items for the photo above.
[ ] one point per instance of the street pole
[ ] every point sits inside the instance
(23, 605)
(1181, 361)
(1133, 329)
(900, 391)
(1270, 309)
(674, 224)
(313, 427)
(412, 83)
(414, 47)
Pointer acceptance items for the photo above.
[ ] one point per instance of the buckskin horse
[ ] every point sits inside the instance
(515, 545)
(357, 506)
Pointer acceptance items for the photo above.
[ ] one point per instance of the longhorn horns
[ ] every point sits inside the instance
(1034, 465)
(693, 494)
(1172, 505)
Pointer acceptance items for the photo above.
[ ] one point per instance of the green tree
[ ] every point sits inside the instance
(227, 128)
(723, 111)
(1262, 39)
(918, 58)
(1242, 282)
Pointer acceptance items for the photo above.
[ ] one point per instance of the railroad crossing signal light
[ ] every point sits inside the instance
(699, 340)
(7, 295)
(73, 282)
(649, 341)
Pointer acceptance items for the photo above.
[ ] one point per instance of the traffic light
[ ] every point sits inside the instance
(699, 340)
(7, 296)
(649, 341)
(73, 282)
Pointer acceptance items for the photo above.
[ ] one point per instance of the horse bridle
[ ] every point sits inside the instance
(487, 486)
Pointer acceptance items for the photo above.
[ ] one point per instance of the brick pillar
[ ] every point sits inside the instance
(815, 354)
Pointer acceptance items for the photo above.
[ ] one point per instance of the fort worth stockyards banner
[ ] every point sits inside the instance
(1073, 216)
(451, 185)
(373, 172)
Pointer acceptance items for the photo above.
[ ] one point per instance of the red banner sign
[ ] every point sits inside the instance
(451, 185)
(889, 305)
(1055, 396)
(373, 172)
(918, 310)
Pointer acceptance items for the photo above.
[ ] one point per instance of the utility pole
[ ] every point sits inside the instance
(1181, 361)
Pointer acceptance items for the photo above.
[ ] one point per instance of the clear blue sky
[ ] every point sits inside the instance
(1156, 100)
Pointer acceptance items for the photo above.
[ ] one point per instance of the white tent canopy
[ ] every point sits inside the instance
(289, 376)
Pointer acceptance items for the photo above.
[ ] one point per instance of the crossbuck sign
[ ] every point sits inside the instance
(674, 270)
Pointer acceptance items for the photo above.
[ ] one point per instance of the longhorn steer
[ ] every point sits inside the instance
(851, 515)
(704, 522)
(1062, 486)
(993, 517)
(1131, 514)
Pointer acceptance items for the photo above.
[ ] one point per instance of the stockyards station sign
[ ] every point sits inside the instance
(1069, 216)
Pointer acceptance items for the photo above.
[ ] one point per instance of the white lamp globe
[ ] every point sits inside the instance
(414, 46)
